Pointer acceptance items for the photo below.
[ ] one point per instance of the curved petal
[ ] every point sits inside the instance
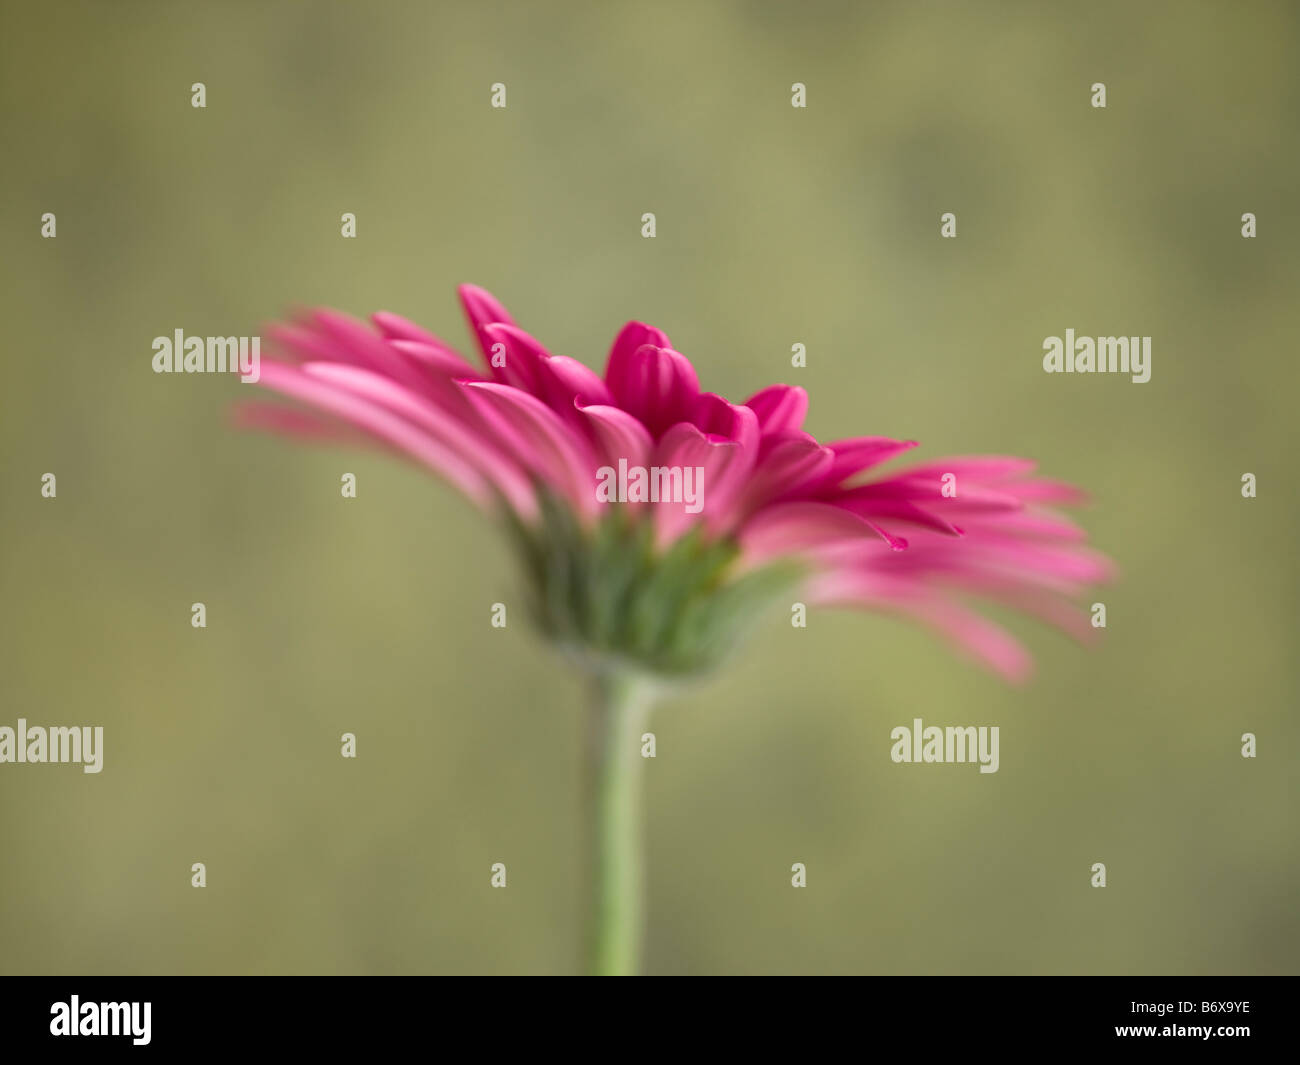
(714, 415)
(395, 327)
(540, 441)
(965, 495)
(787, 471)
(566, 384)
(780, 408)
(306, 426)
(368, 349)
(630, 337)
(302, 343)
(982, 468)
(656, 384)
(482, 309)
(988, 643)
(618, 435)
(712, 468)
(521, 356)
(565, 380)
(859, 454)
(473, 445)
(440, 360)
(903, 510)
(382, 423)
(809, 527)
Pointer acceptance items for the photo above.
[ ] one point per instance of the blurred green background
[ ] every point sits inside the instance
(775, 226)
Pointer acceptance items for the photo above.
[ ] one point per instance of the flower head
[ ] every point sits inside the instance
(653, 517)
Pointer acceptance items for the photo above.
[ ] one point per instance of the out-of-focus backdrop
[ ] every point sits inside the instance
(775, 226)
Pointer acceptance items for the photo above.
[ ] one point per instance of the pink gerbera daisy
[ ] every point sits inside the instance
(660, 586)
(654, 518)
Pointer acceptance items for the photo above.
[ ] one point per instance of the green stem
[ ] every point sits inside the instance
(619, 712)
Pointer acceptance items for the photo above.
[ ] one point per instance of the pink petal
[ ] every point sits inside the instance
(808, 527)
(564, 385)
(657, 385)
(618, 435)
(302, 344)
(858, 454)
(789, 470)
(780, 408)
(395, 327)
(1072, 566)
(713, 415)
(1029, 523)
(376, 420)
(439, 360)
(722, 465)
(482, 309)
(1041, 490)
(894, 510)
(541, 441)
(769, 442)
(968, 494)
(523, 356)
(304, 425)
(630, 337)
(988, 643)
(565, 380)
(981, 468)
(478, 449)
(369, 349)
